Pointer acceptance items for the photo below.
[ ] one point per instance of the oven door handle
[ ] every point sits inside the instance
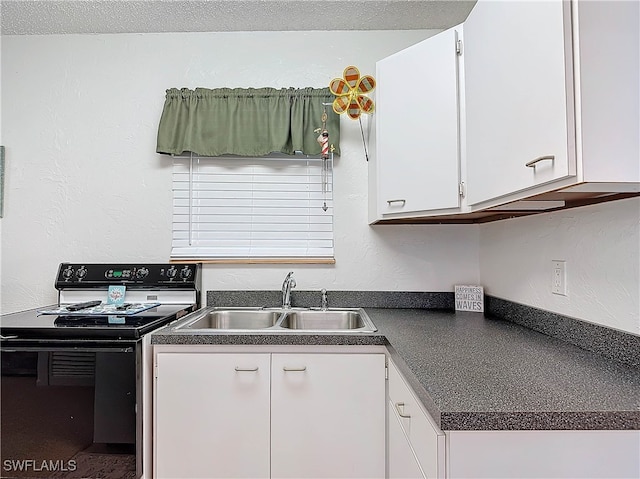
(14, 343)
(13, 347)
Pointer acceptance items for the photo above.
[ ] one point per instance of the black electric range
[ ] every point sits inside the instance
(173, 289)
(62, 350)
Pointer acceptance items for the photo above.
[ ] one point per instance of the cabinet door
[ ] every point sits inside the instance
(211, 416)
(417, 140)
(518, 96)
(328, 416)
(401, 461)
(426, 440)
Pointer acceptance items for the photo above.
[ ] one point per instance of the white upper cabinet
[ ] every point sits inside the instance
(551, 100)
(547, 114)
(417, 138)
(518, 97)
(608, 59)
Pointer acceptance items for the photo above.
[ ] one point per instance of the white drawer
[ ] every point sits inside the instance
(426, 439)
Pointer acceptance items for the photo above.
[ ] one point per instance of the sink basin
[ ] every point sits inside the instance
(229, 318)
(277, 320)
(329, 320)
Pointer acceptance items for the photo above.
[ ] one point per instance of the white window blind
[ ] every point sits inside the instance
(252, 208)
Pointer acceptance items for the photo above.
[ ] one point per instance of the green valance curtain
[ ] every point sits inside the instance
(245, 121)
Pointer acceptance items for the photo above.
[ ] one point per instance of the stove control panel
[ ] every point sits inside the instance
(86, 275)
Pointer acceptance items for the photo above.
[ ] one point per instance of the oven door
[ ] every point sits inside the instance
(70, 406)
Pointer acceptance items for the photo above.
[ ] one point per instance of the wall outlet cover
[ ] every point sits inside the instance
(559, 277)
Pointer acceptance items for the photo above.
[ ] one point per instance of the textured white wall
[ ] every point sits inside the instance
(79, 119)
(600, 244)
(84, 183)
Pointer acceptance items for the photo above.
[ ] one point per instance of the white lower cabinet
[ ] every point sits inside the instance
(402, 462)
(212, 415)
(280, 415)
(327, 416)
(417, 449)
(543, 454)
(291, 414)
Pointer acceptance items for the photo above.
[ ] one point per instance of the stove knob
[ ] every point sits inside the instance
(142, 273)
(172, 272)
(81, 273)
(186, 273)
(67, 273)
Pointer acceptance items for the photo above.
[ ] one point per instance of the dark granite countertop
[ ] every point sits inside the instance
(475, 373)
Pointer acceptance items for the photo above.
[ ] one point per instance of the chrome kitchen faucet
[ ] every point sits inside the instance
(287, 285)
(324, 302)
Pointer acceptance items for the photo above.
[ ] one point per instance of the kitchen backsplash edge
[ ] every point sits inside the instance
(611, 343)
(336, 299)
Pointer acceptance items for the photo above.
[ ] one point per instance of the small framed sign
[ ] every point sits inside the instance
(469, 298)
(116, 295)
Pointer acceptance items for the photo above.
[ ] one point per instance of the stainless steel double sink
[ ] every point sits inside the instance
(343, 320)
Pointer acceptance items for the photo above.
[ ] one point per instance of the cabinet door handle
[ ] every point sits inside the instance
(532, 163)
(8, 337)
(400, 409)
(303, 368)
(238, 368)
(390, 202)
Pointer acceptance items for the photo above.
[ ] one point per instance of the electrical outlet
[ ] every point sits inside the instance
(559, 277)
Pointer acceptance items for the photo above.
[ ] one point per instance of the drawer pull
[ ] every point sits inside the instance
(532, 163)
(390, 202)
(286, 369)
(400, 409)
(239, 369)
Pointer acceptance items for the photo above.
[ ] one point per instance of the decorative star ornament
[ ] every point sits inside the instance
(351, 93)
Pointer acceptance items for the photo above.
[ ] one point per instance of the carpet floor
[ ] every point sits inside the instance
(91, 465)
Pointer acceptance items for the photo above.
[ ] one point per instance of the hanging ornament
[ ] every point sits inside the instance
(351, 96)
(323, 140)
(351, 93)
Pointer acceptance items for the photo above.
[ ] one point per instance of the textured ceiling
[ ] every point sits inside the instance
(29, 17)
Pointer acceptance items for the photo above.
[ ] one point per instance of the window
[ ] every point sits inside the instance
(267, 209)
